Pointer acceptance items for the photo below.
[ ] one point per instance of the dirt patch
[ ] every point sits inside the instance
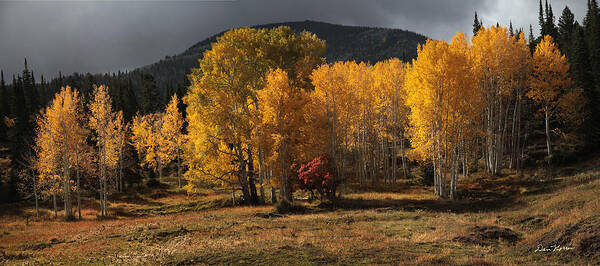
(267, 215)
(489, 235)
(536, 221)
(158, 236)
(284, 207)
(157, 194)
(6, 257)
(41, 245)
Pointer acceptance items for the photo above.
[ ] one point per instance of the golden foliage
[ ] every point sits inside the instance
(59, 134)
(222, 102)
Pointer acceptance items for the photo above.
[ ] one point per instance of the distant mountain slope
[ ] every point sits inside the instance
(363, 44)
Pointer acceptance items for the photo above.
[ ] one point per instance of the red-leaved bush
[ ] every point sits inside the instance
(317, 175)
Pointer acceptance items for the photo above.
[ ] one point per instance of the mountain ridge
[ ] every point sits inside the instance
(357, 43)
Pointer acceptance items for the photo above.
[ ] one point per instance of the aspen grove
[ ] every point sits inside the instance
(264, 103)
(456, 105)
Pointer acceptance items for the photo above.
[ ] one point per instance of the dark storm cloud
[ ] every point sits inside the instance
(101, 36)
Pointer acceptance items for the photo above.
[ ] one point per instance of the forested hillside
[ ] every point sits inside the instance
(344, 43)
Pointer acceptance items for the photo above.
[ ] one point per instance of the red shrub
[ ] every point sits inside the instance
(318, 175)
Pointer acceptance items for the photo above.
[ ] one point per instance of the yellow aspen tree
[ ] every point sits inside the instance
(219, 113)
(443, 102)
(80, 149)
(359, 83)
(121, 134)
(148, 139)
(464, 109)
(389, 77)
(102, 123)
(550, 84)
(497, 66)
(47, 160)
(522, 63)
(335, 103)
(222, 104)
(282, 117)
(59, 134)
(172, 131)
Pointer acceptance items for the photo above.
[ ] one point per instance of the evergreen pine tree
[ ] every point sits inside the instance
(566, 27)
(3, 108)
(43, 91)
(591, 24)
(130, 104)
(31, 95)
(181, 92)
(4, 96)
(550, 26)
(542, 20)
(583, 78)
(150, 96)
(532, 42)
(87, 87)
(20, 107)
(476, 25)
(117, 93)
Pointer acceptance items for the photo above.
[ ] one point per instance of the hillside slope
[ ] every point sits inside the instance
(362, 44)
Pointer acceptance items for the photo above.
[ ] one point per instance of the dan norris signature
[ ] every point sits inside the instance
(553, 248)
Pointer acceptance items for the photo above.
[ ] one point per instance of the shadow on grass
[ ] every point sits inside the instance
(439, 205)
(133, 198)
(12, 209)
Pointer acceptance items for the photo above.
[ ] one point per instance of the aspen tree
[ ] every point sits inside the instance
(389, 77)
(59, 133)
(549, 84)
(282, 117)
(222, 103)
(499, 66)
(150, 142)
(103, 123)
(172, 131)
(444, 106)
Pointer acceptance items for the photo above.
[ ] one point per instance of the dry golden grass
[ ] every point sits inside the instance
(409, 227)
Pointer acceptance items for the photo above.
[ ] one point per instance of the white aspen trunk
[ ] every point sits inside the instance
(261, 174)
(103, 185)
(121, 166)
(518, 135)
(100, 195)
(512, 162)
(547, 120)
(35, 194)
(179, 168)
(67, 193)
(105, 191)
(394, 157)
(382, 160)
(78, 183)
(273, 191)
(54, 203)
(403, 157)
(159, 168)
(101, 173)
(233, 196)
(66, 181)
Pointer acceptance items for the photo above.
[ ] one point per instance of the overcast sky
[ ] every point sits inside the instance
(103, 36)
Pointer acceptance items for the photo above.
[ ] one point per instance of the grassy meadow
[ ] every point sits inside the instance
(510, 219)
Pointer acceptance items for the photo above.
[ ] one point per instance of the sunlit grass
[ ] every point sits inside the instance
(174, 227)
